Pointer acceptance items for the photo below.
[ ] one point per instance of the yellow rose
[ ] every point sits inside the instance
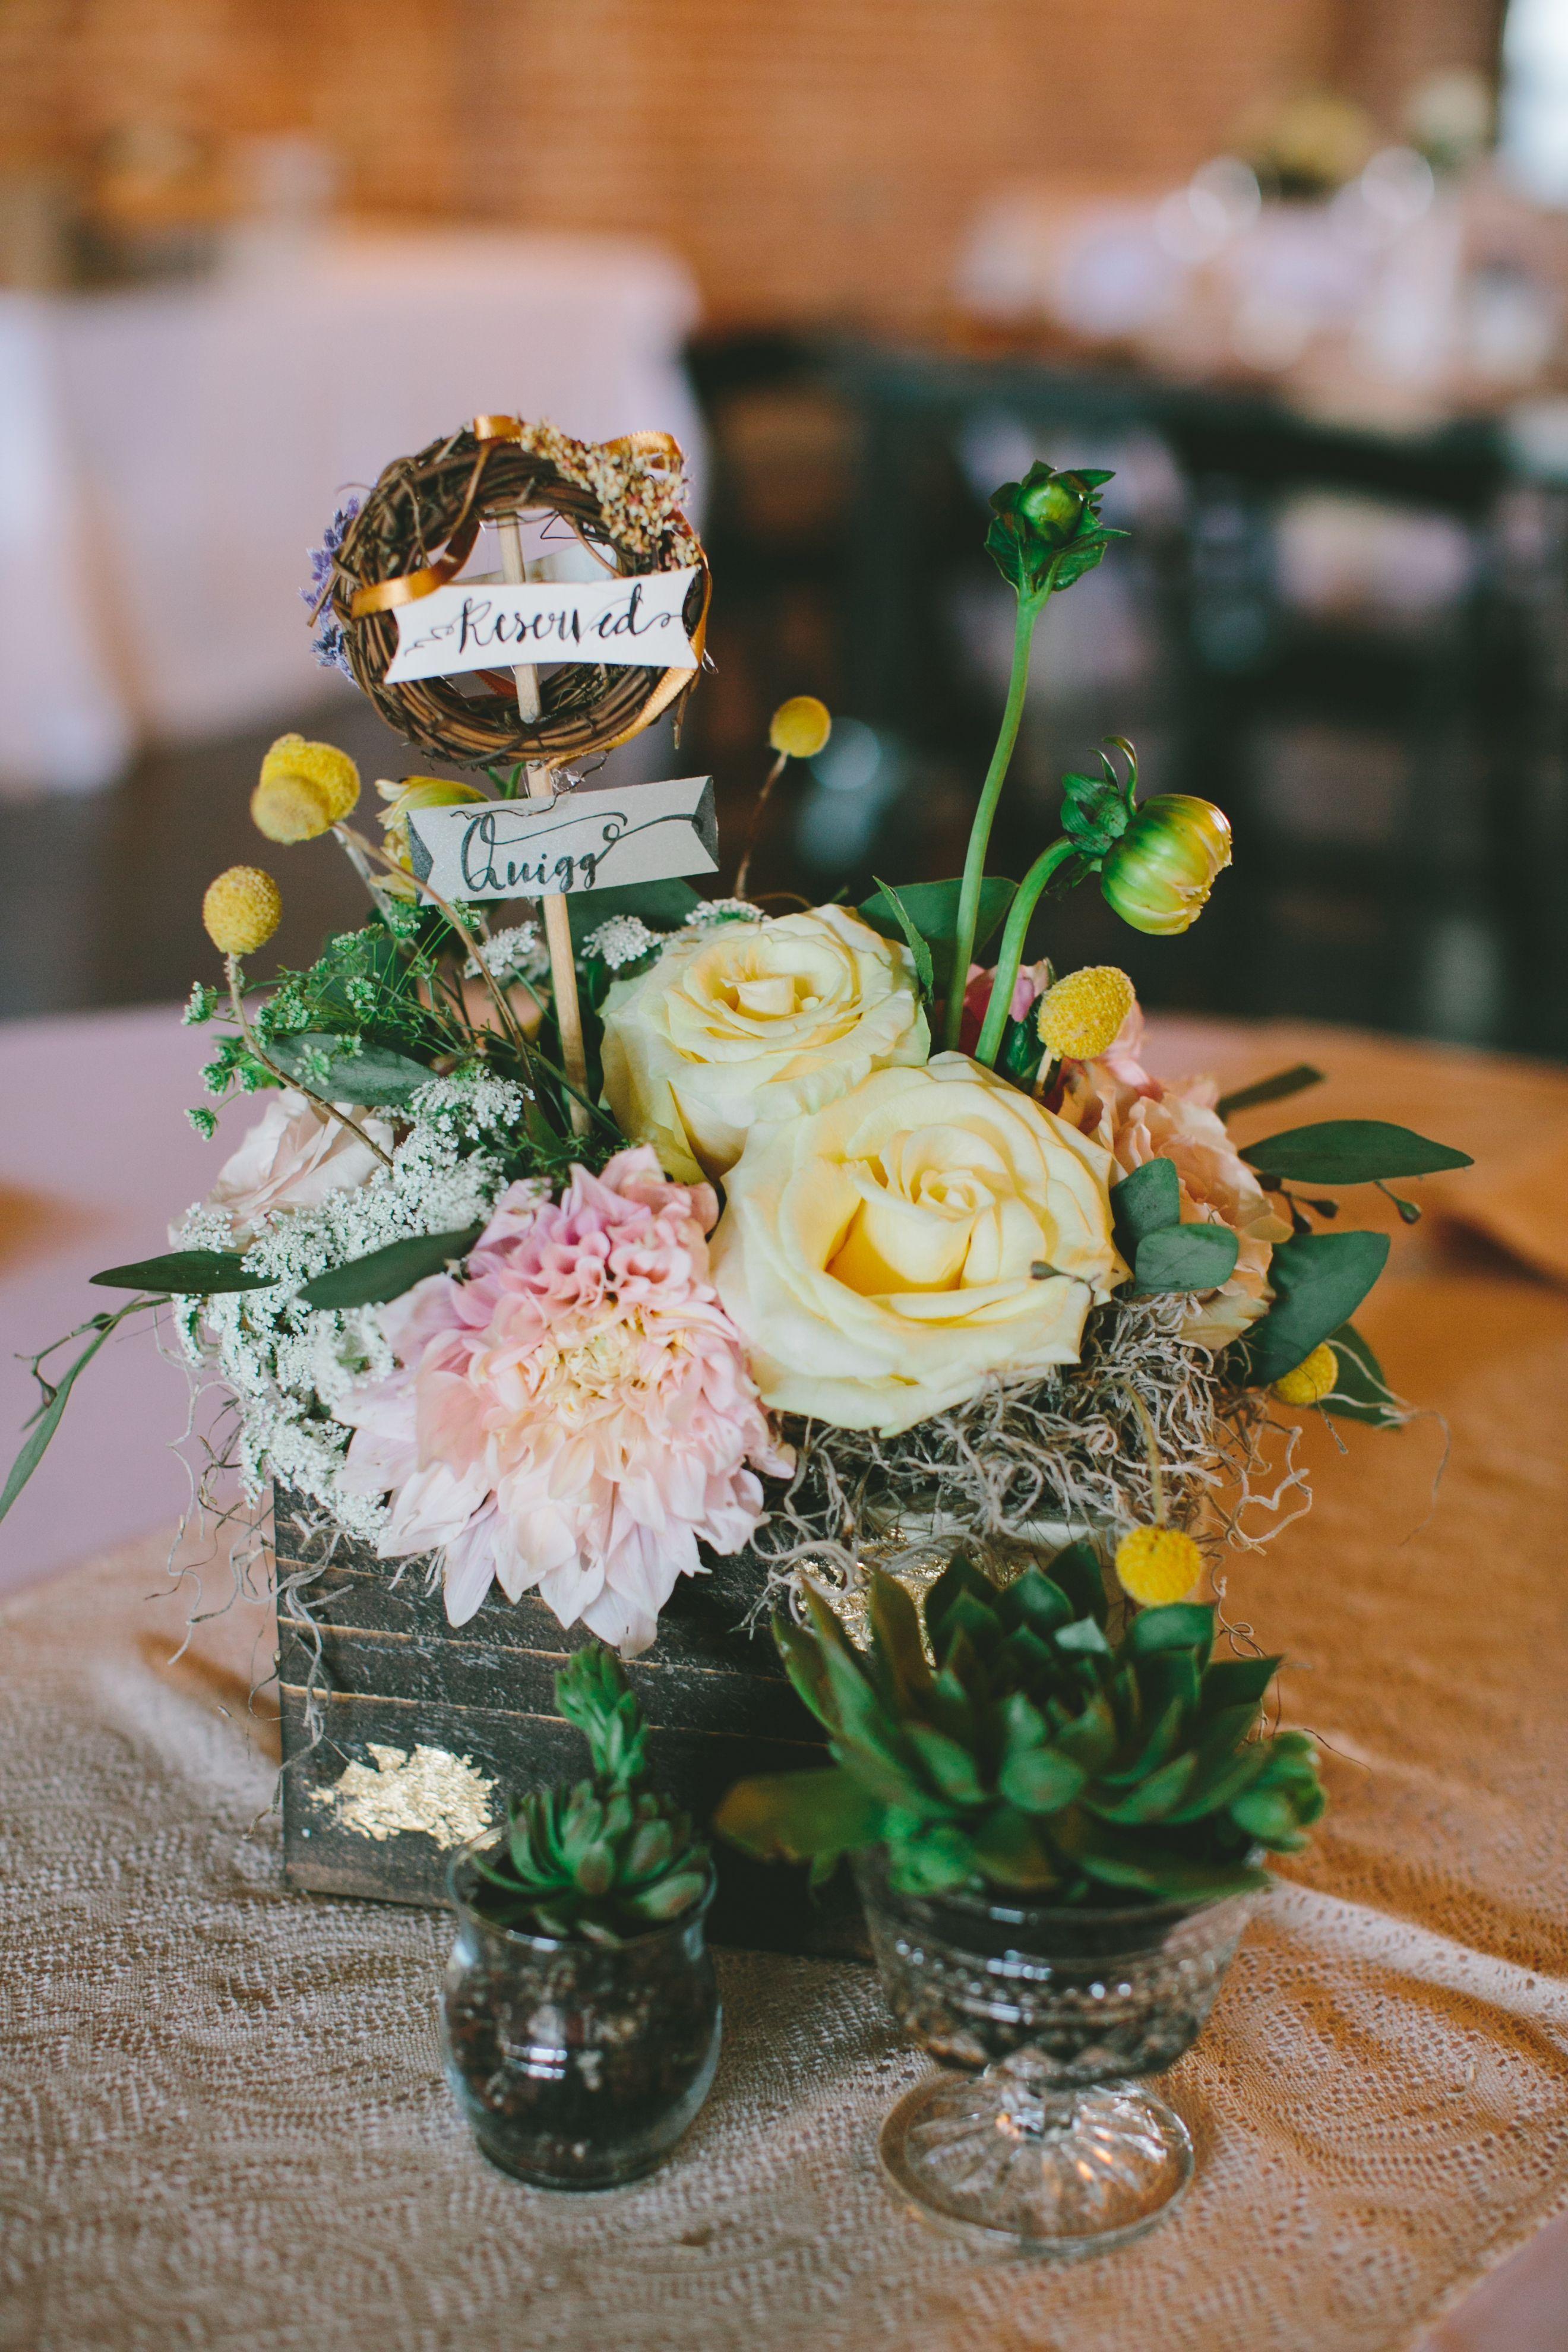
(880, 1257)
(741, 1023)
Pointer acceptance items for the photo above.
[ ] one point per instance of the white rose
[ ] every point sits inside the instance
(292, 1158)
(741, 1022)
(880, 1258)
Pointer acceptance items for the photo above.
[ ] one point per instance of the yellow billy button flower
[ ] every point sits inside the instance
(289, 806)
(800, 728)
(321, 765)
(241, 910)
(1080, 1016)
(1312, 1380)
(1159, 875)
(1158, 1565)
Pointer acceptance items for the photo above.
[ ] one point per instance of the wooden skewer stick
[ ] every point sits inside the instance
(557, 922)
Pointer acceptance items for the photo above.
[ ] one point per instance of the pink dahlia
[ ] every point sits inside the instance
(575, 1413)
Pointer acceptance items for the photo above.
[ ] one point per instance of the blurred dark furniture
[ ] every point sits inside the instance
(1454, 919)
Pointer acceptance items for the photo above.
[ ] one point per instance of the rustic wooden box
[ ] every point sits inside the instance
(396, 1679)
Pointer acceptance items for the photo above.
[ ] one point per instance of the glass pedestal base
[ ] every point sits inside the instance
(1058, 2173)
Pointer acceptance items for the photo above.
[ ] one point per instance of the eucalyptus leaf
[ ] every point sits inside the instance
(376, 1077)
(1185, 1257)
(1293, 1081)
(1319, 1280)
(186, 1274)
(1350, 1152)
(1147, 1202)
(387, 1273)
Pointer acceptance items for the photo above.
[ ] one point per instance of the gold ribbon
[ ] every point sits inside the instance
(409, 586)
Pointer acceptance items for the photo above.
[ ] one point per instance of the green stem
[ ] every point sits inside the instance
(1029, 610)
(1010, 955)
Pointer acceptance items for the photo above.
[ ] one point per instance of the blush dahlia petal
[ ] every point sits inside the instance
(577, 1415)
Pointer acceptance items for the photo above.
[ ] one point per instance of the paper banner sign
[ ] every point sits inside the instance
(491, 623)
(578, 842)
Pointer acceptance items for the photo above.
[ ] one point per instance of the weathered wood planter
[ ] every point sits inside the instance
(426, 1729)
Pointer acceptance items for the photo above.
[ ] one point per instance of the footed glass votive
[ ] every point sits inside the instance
(578, 2063)
(1039, 2136)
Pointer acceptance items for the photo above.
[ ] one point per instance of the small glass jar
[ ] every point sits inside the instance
(577, 2065)
(1039, 2137)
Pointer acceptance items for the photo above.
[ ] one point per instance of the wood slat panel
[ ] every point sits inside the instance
(397, 1676)
(763, 1907)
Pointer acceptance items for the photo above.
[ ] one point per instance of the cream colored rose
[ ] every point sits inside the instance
(292, 1158)
(743, 1022)
(880, 1257)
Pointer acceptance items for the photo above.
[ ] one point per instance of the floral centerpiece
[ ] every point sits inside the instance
(851, 1245)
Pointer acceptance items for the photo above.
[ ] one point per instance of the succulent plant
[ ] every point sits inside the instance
(604, 1859)
(1019, 1747)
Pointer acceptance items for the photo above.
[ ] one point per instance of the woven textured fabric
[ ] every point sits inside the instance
(225, 2125)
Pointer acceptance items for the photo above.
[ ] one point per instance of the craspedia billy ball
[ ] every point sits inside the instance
(241, 910)
(1158, 1565)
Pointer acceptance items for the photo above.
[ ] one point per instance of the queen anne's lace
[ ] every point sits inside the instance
(290, 1367)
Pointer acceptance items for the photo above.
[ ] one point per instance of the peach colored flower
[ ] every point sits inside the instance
(576, 1414)
(1138, 1117)
(292, 1158)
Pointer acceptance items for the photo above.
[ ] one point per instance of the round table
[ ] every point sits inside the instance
(228, 2122)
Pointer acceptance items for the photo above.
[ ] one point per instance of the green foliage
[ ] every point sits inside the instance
(914, 940)
(365, 1025)
(345, 1069)
(1020, 1748)
(606, 1858)
(1149, 1201)
(1020, 1054)
(1318, 1281)
(186, 1274)
(1292, 1081)
(1350, 1152)
(46, 1416)
(1165, 1254)
(662, 906)
(1046, 532)
(1098, 810)
(1361, 1392)
(387, 1273)
(1185, 1257)
(932, 909)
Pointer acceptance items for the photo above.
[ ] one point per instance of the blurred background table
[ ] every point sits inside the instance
(172, 451)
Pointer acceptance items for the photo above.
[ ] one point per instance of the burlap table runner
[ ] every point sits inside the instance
(225, 2125)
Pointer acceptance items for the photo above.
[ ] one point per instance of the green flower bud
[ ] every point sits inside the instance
(1159, 875)
(1052, 504)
